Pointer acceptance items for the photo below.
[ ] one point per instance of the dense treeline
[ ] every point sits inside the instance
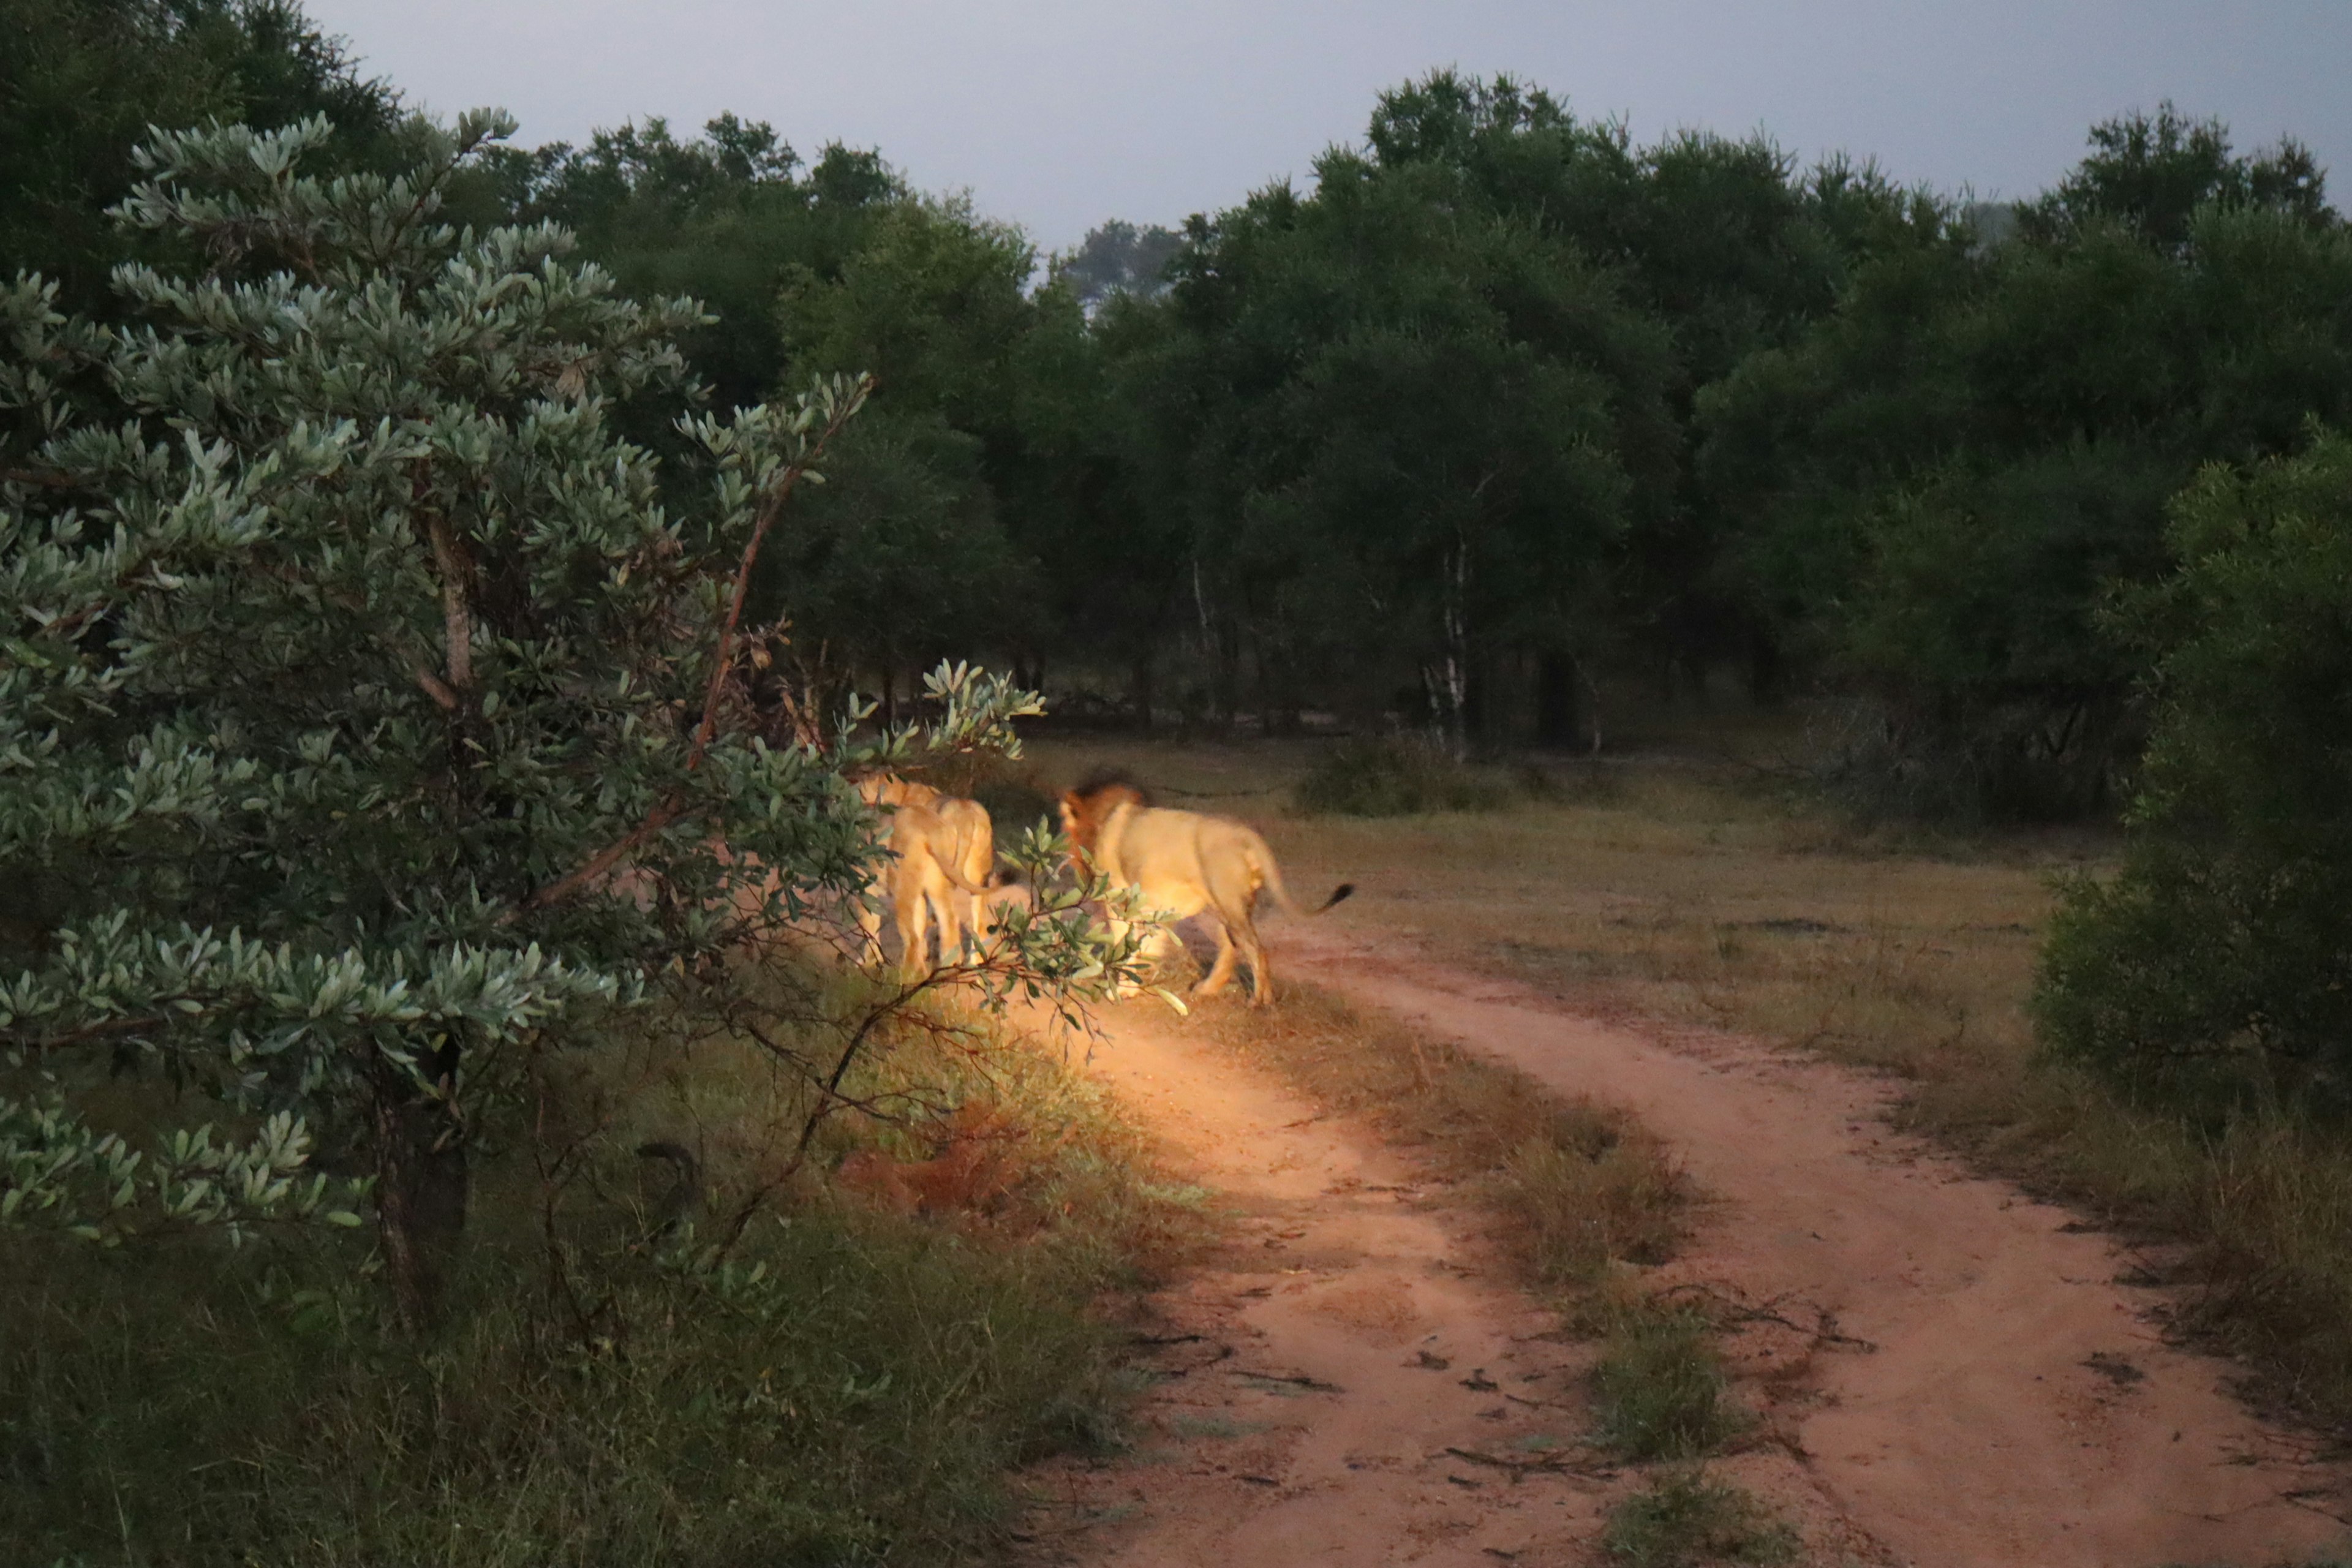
(81, 80)
(1507, 406)
(1502, 416)
(1502, 408)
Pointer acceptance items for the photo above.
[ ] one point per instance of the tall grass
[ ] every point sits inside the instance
(846, 1385)
(846, 1393)
(1659, 1389)
(1685, 1520)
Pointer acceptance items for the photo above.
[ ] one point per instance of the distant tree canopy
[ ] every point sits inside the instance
(81, 80)
(1119, 259)
(1501, 406)
(1928, 494)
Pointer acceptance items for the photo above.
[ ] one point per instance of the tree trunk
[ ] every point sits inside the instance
(1555, 699)
(421, 1183)
(1139, 688)
(1229, 674)
(1453, 682)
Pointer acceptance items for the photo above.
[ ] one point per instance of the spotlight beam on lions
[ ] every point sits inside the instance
(1184, 863)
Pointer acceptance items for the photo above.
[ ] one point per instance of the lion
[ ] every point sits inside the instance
(942, 853)
(1184, 863)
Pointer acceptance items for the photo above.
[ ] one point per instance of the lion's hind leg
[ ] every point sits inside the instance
(1237, 938)
(1220, 973)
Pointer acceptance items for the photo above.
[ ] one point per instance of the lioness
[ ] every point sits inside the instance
(943, 850)
(1183, 863)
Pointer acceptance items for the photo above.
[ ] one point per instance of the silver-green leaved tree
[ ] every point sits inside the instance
(367, 707)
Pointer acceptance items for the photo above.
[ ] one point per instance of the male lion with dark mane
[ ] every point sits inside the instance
(1184, 863)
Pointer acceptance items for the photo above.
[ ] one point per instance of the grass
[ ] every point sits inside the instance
(1582, 1186)
(1684, 1519)
(1702, 889)
(1398, 776)
(850, 1386)
(1659, 1389)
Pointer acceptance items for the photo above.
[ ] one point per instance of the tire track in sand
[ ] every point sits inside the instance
(2019, 1407)
(1351, 1379)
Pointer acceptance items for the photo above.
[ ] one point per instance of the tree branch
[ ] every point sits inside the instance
(771, 507)
(456, 606)
(49, 478)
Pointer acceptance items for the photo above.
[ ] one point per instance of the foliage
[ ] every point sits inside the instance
(1686, 1520)
(1119, 259)
(2153, 175)
(82, 80)
(1659, 1390)
(1423, 420)
(1938, 482)
(727, 217)
(2219, 958)
(1393, 777)
(367, 724)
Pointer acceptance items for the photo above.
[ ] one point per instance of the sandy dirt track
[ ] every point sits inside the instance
(1949, 1371)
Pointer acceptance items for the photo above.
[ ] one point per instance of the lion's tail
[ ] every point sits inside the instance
(1271, 875)
(955, 876)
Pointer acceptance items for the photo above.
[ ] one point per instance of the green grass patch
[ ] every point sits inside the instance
(844, 1393)
(1659, 1390)
(1684, 1520)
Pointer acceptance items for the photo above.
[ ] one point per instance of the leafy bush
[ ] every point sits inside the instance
(373, 716)
(1394, 778)
(846, 1384)
(2217, 964)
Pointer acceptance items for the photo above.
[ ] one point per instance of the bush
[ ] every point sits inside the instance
(2217, 965)
(1394, 778)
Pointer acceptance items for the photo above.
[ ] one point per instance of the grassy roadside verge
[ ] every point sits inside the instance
(1586, 1198)
(1705, 896)
(849, 1384)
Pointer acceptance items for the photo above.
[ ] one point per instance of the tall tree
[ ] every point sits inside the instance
(81, 80)
(367, 721)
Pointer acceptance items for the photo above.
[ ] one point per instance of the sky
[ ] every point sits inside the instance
(1057, 115)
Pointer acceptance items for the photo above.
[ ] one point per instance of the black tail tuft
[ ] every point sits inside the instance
(1337, 893)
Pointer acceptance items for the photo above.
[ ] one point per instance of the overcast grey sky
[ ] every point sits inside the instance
(1058, 115)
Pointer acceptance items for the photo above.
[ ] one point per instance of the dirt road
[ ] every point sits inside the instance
(1949, 1373)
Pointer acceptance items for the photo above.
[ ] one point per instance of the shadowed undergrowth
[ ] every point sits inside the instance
(849, 1384)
